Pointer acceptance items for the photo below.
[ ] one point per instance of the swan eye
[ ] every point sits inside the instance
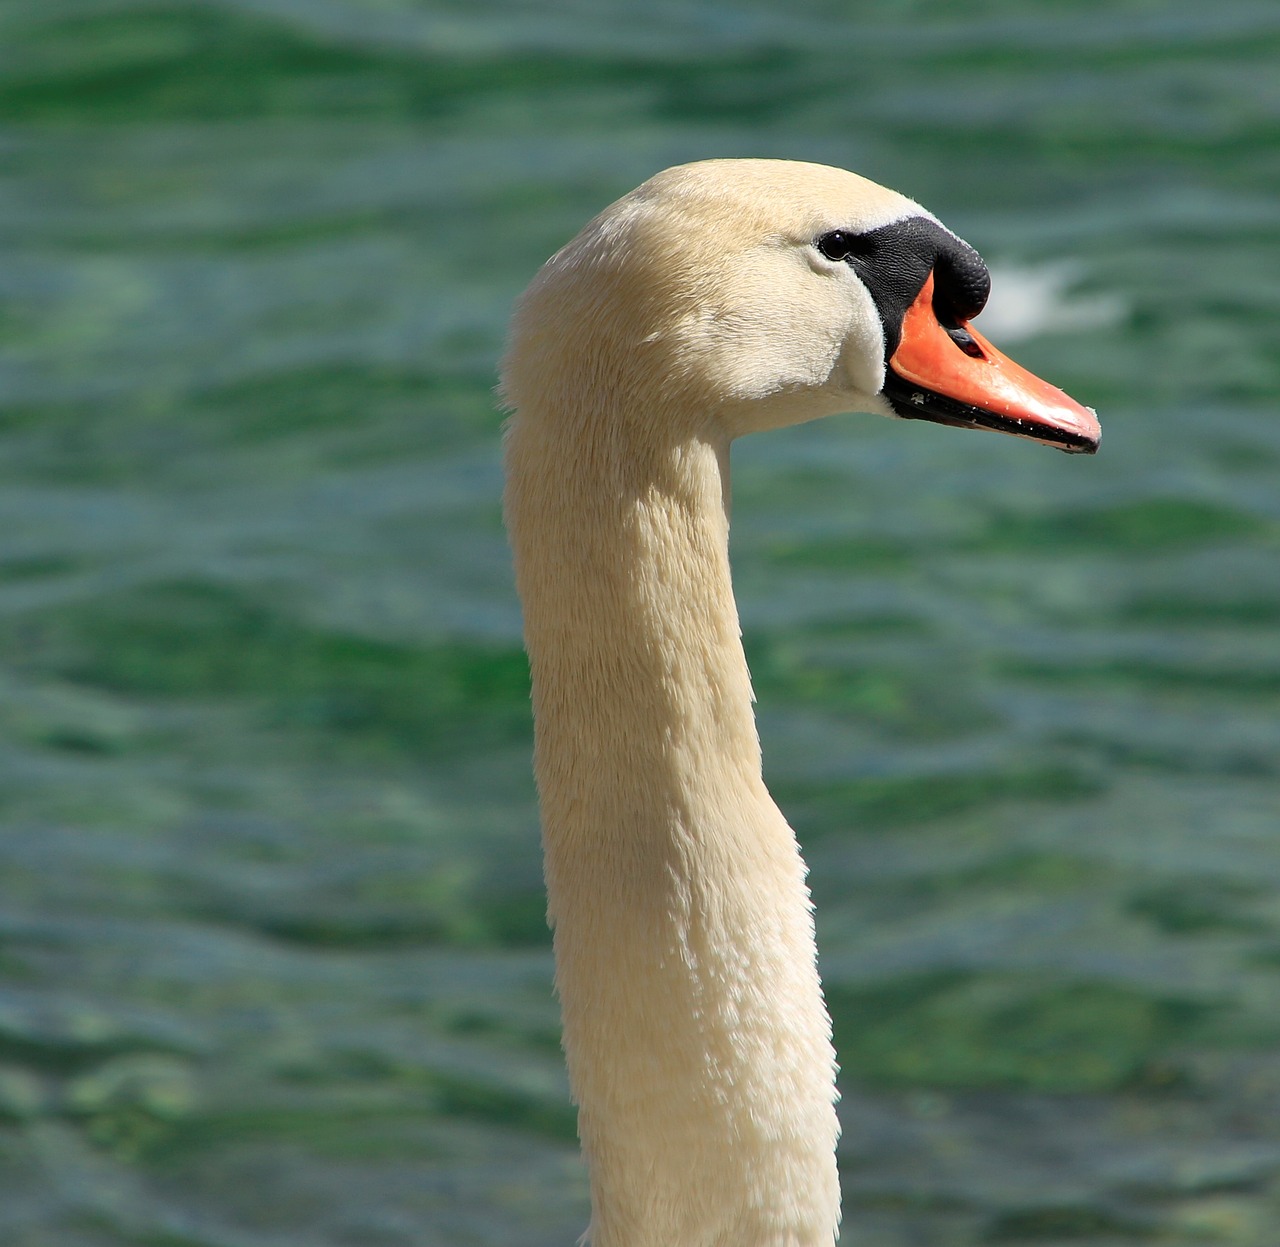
(837, 245)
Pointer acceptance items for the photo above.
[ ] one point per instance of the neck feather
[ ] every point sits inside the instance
(698, 1046)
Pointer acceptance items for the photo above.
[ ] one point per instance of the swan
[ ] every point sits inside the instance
(717, 299)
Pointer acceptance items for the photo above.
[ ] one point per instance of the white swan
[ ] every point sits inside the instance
(717, 299)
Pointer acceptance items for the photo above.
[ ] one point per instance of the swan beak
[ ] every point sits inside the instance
(955, 376)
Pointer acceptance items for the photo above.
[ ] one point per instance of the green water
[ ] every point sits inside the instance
(273, 970)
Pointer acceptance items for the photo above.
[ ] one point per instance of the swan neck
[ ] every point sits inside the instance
(638, 669)
(697, 1043)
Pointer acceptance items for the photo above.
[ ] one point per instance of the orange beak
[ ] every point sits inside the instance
(955, 376)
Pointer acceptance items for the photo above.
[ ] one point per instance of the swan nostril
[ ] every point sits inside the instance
(966, 342)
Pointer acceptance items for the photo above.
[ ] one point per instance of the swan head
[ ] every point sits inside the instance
(753, 294)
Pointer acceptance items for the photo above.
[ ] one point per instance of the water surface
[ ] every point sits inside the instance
(274, 965)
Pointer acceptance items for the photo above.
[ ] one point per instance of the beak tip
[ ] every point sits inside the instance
(1093, 432)
(1090, 434)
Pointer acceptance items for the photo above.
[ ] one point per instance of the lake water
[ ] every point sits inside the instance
(273, 969)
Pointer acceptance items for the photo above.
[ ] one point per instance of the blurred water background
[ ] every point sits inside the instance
(274, 967)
